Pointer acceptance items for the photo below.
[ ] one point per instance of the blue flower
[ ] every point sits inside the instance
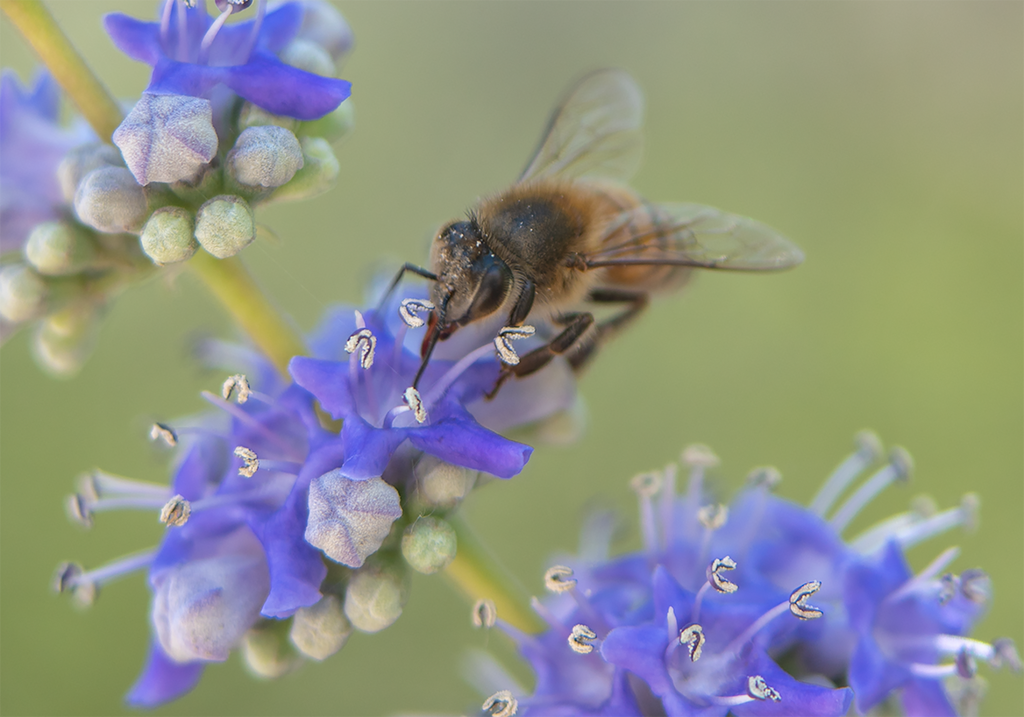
(192, 53)
(32, 145)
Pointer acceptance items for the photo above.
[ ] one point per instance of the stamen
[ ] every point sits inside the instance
(364, 340)
(84, 586)
(581, 639)
(948, 583)
(698, 457)
(798, 601)
(966, 666)
(976, 586)
(766, 477)
(409, 310)
(165, 21)
(900, 467)
(559, 579)
(671, 624)
(693, 638)
(546, 615)
(240, 382)
(438, 390)
(261, 10)
(165, 433)
(508, 354)
(501, 704)
(78, 510)
(760, 690)
(646, 486)
(966, 515)
(99, 483)
(249, 420)
(250, 463)
(176, 512)
(714, 575)
(211, 34)
(668, 502)
(1005, 655)
(183, 29)
(485, 614)
(869, 448)
(713, 516)
(414, 401)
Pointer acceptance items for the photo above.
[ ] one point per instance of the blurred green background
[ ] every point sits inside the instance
(884, 138)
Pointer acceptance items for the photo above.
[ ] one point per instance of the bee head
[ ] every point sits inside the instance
(473, 281)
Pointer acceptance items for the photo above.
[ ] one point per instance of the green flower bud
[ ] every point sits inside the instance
(266, 156)
(110, 200)
(308, 56)
(254, 116)
(64, 340)
(324, 25)
(167, 138)
(225, 225)
(321, 630)
(333, 125)
(80, 161)
(441, 484)
(23, 293)
(429, 545)
(374, 598)
(266, 650)
(169, 235)
(60, 248)
(319, 170)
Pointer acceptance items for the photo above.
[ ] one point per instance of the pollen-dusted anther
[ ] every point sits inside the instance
(501, 704)
(176, 512)
(1005, 654)
(79, 510)
(250, 463)
(760, 690)
(699, 455)
(485, 614)
(767, 476)
(581, 639)
(366, 342)
(713, 516)
(162, 432)
(511, 333)
(414, 401)
(647, 484)
(67, 578)
(966, 665)
(409, 310)
(559, 579)
(238, 381)
(976, 586)
(798, 601)
(970, 506)
(693, 638)
(923, 506)
(714, 574)
(869, 445)
(902, 462)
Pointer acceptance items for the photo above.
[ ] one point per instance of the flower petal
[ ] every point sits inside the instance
(163, 679)
(284, 90)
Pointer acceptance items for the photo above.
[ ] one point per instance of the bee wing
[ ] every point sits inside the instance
(694, 235)
(595, 132)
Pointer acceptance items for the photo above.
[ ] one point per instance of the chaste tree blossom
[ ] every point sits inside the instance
(756, 608)
(283, 534)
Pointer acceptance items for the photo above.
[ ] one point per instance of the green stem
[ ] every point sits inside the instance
(475, 573)
(68, 67)
(233, 285)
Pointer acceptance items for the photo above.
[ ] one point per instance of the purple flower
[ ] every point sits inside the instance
(192, 53)
(32, 145)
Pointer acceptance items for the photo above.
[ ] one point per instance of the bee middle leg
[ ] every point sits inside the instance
(606, 329)
(575, 326)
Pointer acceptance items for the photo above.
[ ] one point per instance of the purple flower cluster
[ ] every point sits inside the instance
(758, 608)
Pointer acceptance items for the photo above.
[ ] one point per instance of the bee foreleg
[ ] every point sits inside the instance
(637, 301)
(398, 277)
(575, 326)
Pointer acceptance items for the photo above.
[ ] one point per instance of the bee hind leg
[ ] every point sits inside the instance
(606, 329)
(575, 326)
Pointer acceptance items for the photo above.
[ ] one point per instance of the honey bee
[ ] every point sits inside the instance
(569, 234)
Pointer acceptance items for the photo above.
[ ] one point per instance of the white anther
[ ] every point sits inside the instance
(511, 333)
(798, 601)
(414, 401)
(68, 578)
(409, 310)
(238, 381)
(164, 433)
(693, 638)
(646, 485)
(501, 704)
(366, 342)
(869, 445)
(485, 614)
(947, 588)
(699, 455)
(976, 586)
(250, 463)
(581, 639)
(78, 509)
(923, 506)
(902, 462)
(713, 516)
(714, 574)
(970, 505)
(1005, 654)
(559, 579)
(767, 476)
(760, 690)
(176, 511)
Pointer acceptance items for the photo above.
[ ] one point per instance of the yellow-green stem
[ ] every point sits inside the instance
(233, 285)
(475, 573)
(68, 67)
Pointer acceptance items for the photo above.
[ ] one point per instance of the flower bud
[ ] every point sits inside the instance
(320, 630)
(333, 125)
(225, 225)
(319, 170)
(325, 26)
(349, 519)
(80, 161)
(265, 156)
(110, 200)
(23, 293)
(309, 56)
(59, 249)
(441, 484)
(429, 545)
(167, 138)
(169, 235)
(267, 651)
(64, 340)
(374, 598)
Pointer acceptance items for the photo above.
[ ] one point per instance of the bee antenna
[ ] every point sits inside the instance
(435, 334)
